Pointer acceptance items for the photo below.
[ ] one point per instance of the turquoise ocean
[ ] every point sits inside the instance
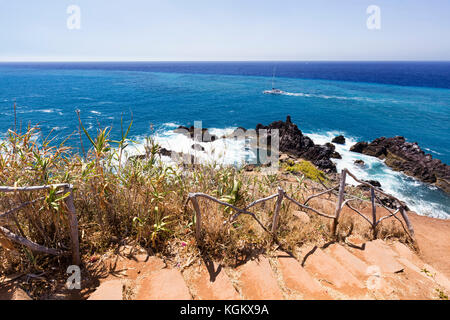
(362, 101)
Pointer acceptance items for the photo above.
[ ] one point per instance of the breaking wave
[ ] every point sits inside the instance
(323, 96)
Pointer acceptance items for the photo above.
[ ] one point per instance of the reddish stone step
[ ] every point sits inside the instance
(210, 285)
(405, 252)
(109, 290)
(410, 260)
(258, 281)
(379, 254)
(298, 279)
(166, 284)
(417, 280)
(333, 274)
(438, 276)
(348, 260)
(409, 284)
(138, 265)
(151, 264)
(355, 241)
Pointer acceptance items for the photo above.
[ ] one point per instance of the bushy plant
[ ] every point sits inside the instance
(307, 169)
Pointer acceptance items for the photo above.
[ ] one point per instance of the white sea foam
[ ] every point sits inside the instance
(323, 96)
(430, 150)
(47, 110)
(220, 152)
(170, 125)
(59, 128)
(27, 109)
(96, 112)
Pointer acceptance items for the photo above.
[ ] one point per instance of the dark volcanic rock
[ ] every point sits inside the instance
(197, 147)
(339, 140)
(360, 162)
(292, 141)
(202, 135)
(250, 167)
(391, 203)
(408, 158)
(165, 152)
(373, 183)
(161, 151)
(238, 131)
(336, 155)
(137, 157)
(388, 202)
(359, 147)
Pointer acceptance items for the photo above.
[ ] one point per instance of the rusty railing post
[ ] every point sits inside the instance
(276, 214)
(73, 225)
(408, 223)
(339, 203)
(374, 213)
(198, 216)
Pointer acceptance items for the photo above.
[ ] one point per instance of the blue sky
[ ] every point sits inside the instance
(224, 30)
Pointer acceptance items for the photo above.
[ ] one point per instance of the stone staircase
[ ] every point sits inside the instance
(371, 270)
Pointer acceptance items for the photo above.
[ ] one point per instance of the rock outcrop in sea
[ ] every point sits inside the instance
(292, 141)
(408, 158)
(202, 135)
(339, 140)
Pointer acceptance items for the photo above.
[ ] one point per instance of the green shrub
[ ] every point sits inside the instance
(307, 169)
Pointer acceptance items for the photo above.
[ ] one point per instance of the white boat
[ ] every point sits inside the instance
(274, 90)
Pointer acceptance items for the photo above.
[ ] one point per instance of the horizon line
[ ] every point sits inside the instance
(206, 60)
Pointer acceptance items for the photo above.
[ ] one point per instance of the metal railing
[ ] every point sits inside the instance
(72, 219)
(338, 190)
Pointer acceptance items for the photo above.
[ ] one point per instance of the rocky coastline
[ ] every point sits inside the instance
(408, 158)
(397, 153)
(291, 142)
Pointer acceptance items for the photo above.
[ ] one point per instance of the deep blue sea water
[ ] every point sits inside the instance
(362, 100)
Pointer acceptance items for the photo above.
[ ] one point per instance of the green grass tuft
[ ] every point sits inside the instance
(307, 169)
